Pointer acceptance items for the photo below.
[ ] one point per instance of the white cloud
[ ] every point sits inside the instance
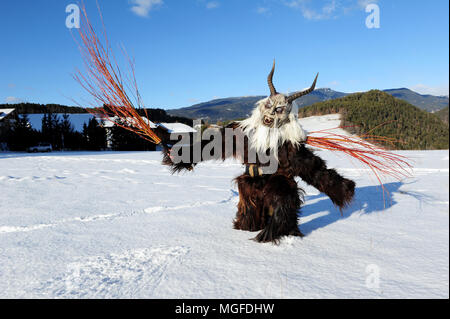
(294, 4)
(13, 100)
(212, 5)
(436, 90)
(143, 7)
(262, 10)
(326, 11)
(364, 3)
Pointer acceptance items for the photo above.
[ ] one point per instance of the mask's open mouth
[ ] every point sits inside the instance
(268, 121)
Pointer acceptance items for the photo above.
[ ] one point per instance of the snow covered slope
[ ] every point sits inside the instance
(118, 225)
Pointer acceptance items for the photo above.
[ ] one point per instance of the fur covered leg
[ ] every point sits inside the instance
(282, 200)
(250, 215)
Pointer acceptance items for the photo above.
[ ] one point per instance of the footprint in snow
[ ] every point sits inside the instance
(130, 274)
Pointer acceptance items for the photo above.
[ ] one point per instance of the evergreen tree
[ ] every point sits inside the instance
(67, 132)
(21, 135)
(51, 130)
(94, 135)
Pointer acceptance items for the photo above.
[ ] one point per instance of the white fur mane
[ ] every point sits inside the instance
(263, 138)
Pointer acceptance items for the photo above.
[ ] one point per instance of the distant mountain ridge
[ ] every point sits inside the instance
(425, 102)
(219, 109)
(241, 107)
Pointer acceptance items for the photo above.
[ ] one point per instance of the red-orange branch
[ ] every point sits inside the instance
(103, 80)
(380, 161)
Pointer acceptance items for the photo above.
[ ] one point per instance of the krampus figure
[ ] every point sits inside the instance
(269, 203)
(269, 198)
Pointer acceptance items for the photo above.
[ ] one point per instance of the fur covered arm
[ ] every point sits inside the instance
(313, 170)
(188, 156)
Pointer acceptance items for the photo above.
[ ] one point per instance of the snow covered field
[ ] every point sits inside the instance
(118, 225)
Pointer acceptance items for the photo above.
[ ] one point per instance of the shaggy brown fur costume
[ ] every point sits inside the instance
(270, 203)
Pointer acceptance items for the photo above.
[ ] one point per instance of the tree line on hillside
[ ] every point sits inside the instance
(154, 114)
(381, 114)
(18, 135)
(35, 108)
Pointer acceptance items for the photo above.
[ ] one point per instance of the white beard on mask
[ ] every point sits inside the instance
(262, 137)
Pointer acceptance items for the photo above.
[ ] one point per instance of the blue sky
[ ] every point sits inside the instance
(189, 51)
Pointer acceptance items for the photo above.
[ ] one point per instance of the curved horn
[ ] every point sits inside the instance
(295, 96)
(273, 91)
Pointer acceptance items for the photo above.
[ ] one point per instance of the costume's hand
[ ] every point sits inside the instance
(169, 159)
(343, 194)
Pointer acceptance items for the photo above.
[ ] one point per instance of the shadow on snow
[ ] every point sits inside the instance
(368, 200)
